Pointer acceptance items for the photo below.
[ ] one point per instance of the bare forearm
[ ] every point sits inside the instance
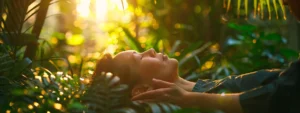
(228, 103)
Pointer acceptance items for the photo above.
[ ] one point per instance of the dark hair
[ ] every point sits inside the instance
(107, 64)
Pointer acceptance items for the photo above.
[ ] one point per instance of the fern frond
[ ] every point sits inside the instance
(6, 62)
(107, 94)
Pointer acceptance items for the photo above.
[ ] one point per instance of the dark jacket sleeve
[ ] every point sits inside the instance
(265, 91)
(279, 96)
(235, 84)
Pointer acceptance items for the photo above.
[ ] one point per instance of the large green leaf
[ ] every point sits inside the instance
(242, 28)
(76, 105)
(275, 37)
(289, 53)
(190, 49)
(193, 53)
(134, 42)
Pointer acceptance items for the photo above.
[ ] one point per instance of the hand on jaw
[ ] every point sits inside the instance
(164, 92)
(180, 82)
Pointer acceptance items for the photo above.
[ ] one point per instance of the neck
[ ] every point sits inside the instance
(186, 85)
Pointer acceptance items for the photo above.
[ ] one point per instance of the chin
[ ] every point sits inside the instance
(173, 61)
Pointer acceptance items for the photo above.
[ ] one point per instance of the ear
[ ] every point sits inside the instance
(105, 64)
(138, 89)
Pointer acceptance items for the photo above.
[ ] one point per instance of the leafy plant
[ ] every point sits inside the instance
(257, 50)
(27, 86)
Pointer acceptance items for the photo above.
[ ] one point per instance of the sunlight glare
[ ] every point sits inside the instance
(223, 94)
(101, 9)
(119, 5)
(111, 49)
(103, 6)
(83, 7)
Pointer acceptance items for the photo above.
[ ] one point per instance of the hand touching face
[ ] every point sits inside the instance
(164, 92)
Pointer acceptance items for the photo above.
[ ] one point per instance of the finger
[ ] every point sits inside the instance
(158, 99)
(149, 100)
(161, 84)
(153, 94)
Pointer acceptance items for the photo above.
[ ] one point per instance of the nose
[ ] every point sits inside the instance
(150, 52)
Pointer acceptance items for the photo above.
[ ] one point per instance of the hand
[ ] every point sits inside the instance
(164, 92)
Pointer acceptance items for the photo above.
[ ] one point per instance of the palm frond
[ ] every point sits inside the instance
(13, 12)
(260, 8)
(7, 63)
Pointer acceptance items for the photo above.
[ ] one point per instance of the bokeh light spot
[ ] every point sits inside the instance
(177, 53)
(197, 9)
(254, 41)
(207, 65)
(53, 40)
(75, 40)
(36, 104)
(142, 39)
(11, 104)
(57, 106)
(30, 106)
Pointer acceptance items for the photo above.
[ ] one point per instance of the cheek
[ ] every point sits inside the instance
(149, 68)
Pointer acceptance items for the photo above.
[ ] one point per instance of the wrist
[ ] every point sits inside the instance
(192, 99)
(227, 103)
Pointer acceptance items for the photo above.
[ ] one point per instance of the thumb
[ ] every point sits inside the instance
(160, 83)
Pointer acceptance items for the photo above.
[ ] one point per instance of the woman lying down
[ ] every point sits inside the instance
(153, 77)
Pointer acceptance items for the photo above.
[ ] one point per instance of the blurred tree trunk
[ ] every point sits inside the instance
(298, 36)
(37, 28)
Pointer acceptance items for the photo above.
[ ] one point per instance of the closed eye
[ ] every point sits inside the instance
(140, 55)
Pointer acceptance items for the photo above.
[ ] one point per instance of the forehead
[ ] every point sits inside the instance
(124, 57)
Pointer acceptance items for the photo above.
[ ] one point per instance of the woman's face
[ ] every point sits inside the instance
(148, 65)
